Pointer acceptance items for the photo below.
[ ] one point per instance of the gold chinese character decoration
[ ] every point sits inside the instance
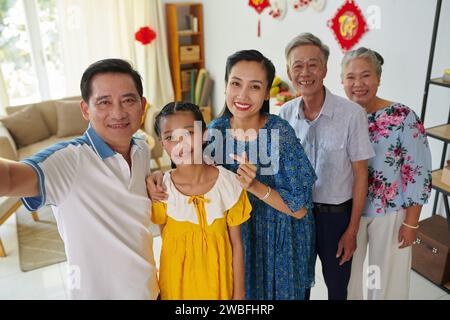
(348, 25)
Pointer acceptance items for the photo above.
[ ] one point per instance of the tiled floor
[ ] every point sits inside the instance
(49, 282)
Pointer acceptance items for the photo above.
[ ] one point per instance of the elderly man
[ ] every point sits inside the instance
(96, 187)
(334, 134)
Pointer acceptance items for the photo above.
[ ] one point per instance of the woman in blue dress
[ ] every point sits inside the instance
(279, 239)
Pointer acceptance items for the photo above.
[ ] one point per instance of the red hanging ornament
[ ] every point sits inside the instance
(348, 25)
(145, 35)
(259, 6)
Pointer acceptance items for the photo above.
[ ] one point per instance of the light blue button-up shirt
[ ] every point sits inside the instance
(335, 139)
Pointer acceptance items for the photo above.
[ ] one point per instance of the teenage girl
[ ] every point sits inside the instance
(202, 253)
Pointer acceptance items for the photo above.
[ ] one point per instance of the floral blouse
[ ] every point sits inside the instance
(400, 173)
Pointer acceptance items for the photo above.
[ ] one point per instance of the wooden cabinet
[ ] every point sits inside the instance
(186, 46)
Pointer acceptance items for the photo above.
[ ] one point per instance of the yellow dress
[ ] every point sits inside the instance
(196, 256)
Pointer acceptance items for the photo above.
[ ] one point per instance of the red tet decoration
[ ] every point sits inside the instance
(348, 25)
(259, 6)
(145, 35)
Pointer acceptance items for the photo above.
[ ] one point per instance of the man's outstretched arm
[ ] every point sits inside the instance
(17, 179)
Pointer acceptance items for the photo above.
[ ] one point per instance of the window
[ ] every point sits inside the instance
(51, 45)
(30, 51)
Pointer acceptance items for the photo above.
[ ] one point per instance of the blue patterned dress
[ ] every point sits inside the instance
(279, 250)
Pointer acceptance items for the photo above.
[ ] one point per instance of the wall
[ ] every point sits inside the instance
(404, 40)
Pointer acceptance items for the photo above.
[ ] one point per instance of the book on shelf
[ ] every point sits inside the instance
(191, 23)
(194, 24)
(199, 85)
(202, 75)
(206, 91)
(192, 85)
(186, 79)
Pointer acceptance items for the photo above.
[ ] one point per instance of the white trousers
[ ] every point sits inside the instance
(387, 274)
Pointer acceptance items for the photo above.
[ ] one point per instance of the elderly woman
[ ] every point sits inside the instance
(399, 182)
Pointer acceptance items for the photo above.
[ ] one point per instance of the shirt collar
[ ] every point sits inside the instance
(102, 149)
(327, 108)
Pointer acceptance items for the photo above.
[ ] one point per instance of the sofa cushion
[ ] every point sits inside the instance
(47, 109)
(70, 121)
(26, 126)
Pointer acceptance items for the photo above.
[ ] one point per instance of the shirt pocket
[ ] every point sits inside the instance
(332, 151)
(331, 146)
(333, 142)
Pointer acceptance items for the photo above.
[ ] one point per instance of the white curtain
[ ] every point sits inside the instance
(4, 100)
(94, 30)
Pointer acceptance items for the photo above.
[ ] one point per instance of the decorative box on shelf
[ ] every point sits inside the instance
(446, 174)
(189, 53)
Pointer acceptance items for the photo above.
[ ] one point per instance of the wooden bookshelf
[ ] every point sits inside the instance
(181, 34)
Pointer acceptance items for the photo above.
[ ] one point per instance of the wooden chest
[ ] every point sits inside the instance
(431, 250)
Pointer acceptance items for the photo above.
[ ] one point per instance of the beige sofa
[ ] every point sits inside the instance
(9, 146)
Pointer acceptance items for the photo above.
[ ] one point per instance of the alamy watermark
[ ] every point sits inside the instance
(73, 280)
(263, 147)
(373, 17)
(373, 277)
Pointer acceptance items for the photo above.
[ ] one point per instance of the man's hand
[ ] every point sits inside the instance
(406, 236)
(246, 173)
(155, 187)
(346, 247)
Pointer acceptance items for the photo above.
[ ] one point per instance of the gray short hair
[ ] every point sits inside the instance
(305, 39)
(369, 55)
